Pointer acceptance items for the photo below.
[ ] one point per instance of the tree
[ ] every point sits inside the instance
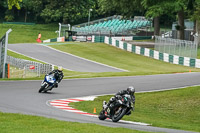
(179, 7)
(26, 5)
(193, 8)
(15, 3)
(127, 8)
(157, 8)
(67, 11)
(154, 8)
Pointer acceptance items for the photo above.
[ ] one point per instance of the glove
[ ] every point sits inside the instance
(118, 96)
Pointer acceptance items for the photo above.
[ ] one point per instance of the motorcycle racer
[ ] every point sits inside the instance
(130, 91)
(58, 74)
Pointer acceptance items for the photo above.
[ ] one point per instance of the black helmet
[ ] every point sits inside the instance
(131, 89)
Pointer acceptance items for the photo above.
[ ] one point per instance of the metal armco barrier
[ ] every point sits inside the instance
(30, 66)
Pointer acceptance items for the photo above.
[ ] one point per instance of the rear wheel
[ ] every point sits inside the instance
(102, 115)
(118, 113)
(42, 88)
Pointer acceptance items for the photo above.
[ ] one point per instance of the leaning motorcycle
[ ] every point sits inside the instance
(48, 83)
(117, 109)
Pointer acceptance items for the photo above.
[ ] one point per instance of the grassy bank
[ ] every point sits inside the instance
(178, 109)
(28, 33)
(19, 123)
(135, 64)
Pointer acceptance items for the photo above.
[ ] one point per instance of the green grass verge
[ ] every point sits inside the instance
(18, 123)
(177, 109)
(28, 33)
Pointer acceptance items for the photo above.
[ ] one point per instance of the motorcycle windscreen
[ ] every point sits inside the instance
(50, 78)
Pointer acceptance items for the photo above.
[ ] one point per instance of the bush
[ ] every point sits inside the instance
(9, 18)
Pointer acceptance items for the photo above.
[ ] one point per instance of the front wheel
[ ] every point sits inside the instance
(102, 115)
(42, 88)
(119, 113)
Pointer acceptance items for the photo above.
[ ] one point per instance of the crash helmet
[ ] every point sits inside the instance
(131, 90)
(60, 68)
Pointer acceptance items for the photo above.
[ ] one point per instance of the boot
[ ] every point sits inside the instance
(104, 105)
(129, 112)
(56, 85)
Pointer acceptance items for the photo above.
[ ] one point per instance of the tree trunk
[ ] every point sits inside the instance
(195, 29)
(156, 26)
(181, 24)
(197, 35)
(25, 16)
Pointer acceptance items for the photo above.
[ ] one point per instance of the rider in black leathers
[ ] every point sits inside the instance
(130, 91)
(58, 74)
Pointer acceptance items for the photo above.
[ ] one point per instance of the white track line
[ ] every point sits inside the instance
(38, 59)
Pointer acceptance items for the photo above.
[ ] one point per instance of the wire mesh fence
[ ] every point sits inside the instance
(178, 47)
(27, 68)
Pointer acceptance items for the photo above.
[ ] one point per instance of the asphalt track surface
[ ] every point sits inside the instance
(68, 61)
(23, 96)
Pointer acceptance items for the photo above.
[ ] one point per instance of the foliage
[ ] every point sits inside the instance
(194, 9)
(127, 8)
(15, 3)
(66, 11)
(9, 17)
(72, 11)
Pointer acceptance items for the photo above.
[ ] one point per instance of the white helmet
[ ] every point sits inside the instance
(60, 68)
(131, 89)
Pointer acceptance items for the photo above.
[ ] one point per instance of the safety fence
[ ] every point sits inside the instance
(28, 68)
(175, 59)
(177, 47)
(3, 53)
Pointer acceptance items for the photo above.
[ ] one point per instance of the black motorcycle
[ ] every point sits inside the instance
(117, 109)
